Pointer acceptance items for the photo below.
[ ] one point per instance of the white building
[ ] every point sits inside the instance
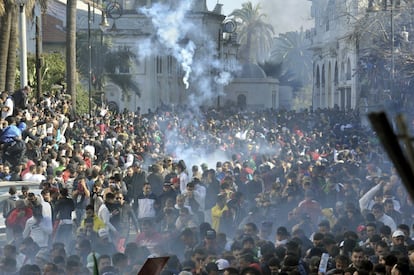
(335, 53)
(346, 32)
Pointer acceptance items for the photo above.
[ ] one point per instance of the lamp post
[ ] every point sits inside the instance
(227, 28)
(23, 45)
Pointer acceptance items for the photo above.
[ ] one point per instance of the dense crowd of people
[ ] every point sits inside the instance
(216, 191)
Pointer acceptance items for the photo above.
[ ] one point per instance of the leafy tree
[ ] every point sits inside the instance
(385, 55)
(255, 35)
(9, 13)
(52, 71)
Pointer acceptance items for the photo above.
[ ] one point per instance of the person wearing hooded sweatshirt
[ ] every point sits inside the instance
(14, 147)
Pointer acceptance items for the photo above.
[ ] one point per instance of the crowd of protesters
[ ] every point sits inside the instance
(218, 192)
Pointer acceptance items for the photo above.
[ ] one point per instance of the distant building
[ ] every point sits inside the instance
(335, 55)
(345, 33)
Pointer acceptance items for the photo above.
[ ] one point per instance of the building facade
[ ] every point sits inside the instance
(335, 56)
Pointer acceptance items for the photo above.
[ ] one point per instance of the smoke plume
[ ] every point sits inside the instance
(193, 48)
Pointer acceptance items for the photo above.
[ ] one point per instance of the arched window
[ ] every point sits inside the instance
(323, 75)
(336, 76)
(348, 70)
(318, 77)
(241, 101)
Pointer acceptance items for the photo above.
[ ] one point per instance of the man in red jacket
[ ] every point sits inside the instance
(16, 220)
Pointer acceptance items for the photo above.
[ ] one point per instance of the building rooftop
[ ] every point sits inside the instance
(251, 70)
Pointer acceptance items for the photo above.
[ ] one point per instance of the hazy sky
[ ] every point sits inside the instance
(284, 15)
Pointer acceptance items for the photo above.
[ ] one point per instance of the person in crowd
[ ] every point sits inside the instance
(147, 203)
(13, 146)
(128, 219)
(39, 228)
(134, 180)
(156, 179)
(324, 157)
(16, 221)
(378, 211)
(106, 212)
(10, 202)
(63, 208)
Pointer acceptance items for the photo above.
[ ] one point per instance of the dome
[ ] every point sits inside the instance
(251, 70)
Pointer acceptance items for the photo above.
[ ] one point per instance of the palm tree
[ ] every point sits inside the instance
(71, 50)
(291, 51)
(113, 61)
(5, 22)
(255, 36)
(11, 55)
(8, 39)
(2, 8)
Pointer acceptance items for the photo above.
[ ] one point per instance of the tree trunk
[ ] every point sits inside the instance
(4, 44)
(71, 50)
(11, 59)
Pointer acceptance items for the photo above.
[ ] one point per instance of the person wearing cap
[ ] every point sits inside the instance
(209, 242)
(103, 244)
(398, 242)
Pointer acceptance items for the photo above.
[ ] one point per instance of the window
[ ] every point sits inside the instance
(170, 64)
(159, 64)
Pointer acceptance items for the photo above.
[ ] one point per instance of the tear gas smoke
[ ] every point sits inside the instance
(193, 48)
(170, 31)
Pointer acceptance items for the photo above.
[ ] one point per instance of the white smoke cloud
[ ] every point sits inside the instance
(168, 24)
(191, 46)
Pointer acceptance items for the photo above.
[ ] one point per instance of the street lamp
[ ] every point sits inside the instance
(23, 45)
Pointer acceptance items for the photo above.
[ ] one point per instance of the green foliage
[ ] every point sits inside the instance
(82, 100)
(52, 70)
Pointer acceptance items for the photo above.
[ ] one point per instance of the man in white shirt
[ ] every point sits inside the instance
(39, 228)
(105, 214)
(378, 211)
